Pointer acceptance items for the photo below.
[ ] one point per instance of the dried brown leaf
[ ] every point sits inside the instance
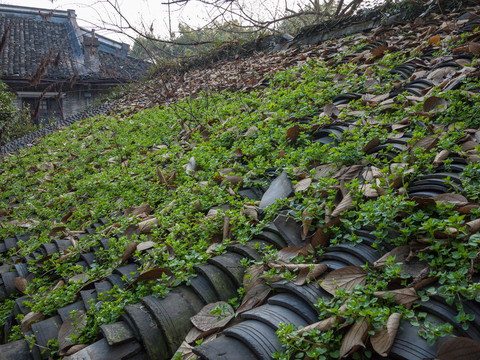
(147, 226)
(345, 204)
(400, 252)
(383, 339)
(291, 252)
(171, 252)
(70, 326)
(331, 110)
(154, 274)
(142, 209)
(227, 232)
(306, 222)
(345, 278)
(131, 230)
(252, 130)
(371, 144)
(186, 351)
(323, 325)
(405, 296)
(303, 185)
(145, 245)
(474, 48)
(206, 321)
(473, 226)
(450, 199)
(251, 211)
(129, 251)
(435, 103)
(233, 180)
(68, 215)
(57, 229)
(20, 284)
(254, 297)
(311, 272)
(74, 349)
(354, 338)
(252, 276)
(293, 133)
(459, 348)
(442, 155)
(29, 319)
(434, 39)
(427, 143)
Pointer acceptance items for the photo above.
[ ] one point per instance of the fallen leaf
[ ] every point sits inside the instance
(434, 102)
(371, 144)
(206, 321)
(474, 48)
(303, 185)
(434, 39)
(131, 230)
(146, 226)
(227, 232)
(252, 276)
(252, 130)
(145, 245)
(344, 278)
(29, 319)
(473, 226)
(71, 325)
(68, 215)
(322, 234)
(57, 229)
(251, 211)
(442, 155)
(290, 252)
(459, 348)
(293, 133)
(171, 252)
(75, 348)
(323, 325)
(354, 338)
(78, 278)
(331, 110)
(405, 296)
(312, 272)
(20, 284)
(26, 224)
(129, 251)
(400, 252)
(450, 199)
(254, 297)
(345, 204)
(379, 51)
(383, 339)
(306, 222)
(233, 180)
(427, 143)
(186, 351)
(153, 274)
(142, 209)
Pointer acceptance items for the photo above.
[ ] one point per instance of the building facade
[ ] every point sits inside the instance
(57, 68)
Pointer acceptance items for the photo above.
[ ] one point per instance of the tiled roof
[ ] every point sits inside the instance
(28, 40)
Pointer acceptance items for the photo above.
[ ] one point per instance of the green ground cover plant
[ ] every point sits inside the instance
(101, 166)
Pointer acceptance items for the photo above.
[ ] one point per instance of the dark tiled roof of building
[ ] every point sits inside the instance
(30, 41)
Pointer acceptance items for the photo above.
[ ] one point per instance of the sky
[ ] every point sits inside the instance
(142, 14)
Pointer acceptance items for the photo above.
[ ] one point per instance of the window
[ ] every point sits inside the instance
(49, 110)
